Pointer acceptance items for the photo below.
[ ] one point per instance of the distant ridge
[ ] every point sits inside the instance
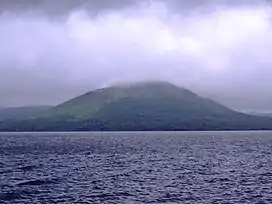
(139, 107)
(22, 112)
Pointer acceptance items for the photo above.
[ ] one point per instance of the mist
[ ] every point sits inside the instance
(54, 50)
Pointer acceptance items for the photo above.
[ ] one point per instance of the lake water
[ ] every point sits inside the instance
(154, 167)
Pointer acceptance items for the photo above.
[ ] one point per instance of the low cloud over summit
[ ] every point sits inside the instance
(54, 50)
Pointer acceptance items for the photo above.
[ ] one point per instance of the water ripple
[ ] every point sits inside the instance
(211, 167)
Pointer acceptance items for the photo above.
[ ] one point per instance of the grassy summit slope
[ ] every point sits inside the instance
(156, 93)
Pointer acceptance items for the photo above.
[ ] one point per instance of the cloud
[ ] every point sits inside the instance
(219, 50)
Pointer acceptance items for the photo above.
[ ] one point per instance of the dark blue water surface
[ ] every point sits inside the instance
(155, 167)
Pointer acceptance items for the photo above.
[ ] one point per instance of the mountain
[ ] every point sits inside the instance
(21, 112)
(140, 106)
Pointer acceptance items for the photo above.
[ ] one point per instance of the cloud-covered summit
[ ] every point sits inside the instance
(54, 50)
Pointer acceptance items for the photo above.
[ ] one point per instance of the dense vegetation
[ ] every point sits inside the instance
(144, 106)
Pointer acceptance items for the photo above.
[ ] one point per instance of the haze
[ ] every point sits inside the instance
(54, 50)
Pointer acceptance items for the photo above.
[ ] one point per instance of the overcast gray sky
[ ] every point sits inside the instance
(54, 50)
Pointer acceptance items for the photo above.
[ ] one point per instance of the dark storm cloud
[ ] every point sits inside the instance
(54, 50)
(64, 7)
(94, 7)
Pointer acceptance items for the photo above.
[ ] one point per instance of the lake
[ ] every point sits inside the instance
(136, 167)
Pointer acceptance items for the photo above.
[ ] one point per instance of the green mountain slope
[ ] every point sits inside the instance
(141, 106)
(152, 93)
